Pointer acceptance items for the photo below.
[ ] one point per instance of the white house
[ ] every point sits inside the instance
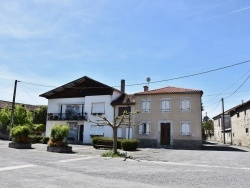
(76, 102)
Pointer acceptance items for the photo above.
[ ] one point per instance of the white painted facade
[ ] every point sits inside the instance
(54, 106)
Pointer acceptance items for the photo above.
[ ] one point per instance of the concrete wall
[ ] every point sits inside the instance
(174, 117)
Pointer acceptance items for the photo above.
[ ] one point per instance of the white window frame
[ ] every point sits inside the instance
(146, 108)
(164, 107)
(185, 128)
(145, 128)
(186, 108)
(98, 108)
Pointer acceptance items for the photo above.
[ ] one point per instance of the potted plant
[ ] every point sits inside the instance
(57, 141)
(20, 137)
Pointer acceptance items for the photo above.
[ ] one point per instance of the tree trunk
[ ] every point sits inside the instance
(115, 139)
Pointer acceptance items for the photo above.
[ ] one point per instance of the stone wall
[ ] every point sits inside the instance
(147, 143)
(187, 144)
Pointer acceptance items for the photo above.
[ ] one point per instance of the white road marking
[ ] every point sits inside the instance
(75, 159)
(16, 167)
(194, 165)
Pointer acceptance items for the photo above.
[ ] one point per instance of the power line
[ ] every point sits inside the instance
(176, 78)
(238, 88)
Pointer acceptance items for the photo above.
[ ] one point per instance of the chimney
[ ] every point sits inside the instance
(123, 85)
(145, 88)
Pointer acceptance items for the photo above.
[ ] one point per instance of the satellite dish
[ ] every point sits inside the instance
(148, 79)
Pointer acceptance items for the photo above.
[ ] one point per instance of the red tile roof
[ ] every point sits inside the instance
(169, 90)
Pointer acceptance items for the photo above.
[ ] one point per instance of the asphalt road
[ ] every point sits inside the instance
(215, 166)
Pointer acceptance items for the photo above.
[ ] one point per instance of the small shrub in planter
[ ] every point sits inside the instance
(20, 137)
(129, 145)
(57, 137)
(20, 134)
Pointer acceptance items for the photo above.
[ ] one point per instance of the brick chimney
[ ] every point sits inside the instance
(123, 85)
(145, 88)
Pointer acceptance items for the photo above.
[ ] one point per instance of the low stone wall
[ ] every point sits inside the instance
(187, 144)
(147, 143)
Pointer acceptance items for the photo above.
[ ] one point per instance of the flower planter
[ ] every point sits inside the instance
(18, 145)
(64, 149)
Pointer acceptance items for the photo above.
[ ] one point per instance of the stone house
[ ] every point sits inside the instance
(170, 117)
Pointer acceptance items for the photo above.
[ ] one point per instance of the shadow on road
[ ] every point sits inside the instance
(213, 146)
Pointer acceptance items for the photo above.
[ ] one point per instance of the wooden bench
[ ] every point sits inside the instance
(103, 144)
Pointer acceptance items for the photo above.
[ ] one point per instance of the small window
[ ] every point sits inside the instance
(144, 128)
(122, 109)
(185, 128)
(96, 130)
(238, 114)
(98, 108)
(246, 130)
(185, 104)
(146, 106)
(165, 105)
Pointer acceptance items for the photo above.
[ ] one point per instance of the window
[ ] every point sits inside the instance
(185, 128)
(145, 106)
(119, 132)
(185, 104)
(122, 109)
(144, 128)
(98, 108)
(246, 130)
(238, 114)
(165, 105)
(96, 130)
(130, 132)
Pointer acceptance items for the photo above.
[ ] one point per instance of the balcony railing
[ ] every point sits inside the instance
(65, 116)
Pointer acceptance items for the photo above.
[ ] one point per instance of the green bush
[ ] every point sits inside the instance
(20, 134)
(101, 138)
(36, 138)
(129, 145)
(59, 132)
(111, 153)
(45, 140)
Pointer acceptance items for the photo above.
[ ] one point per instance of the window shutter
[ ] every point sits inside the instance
(148, 128)
(163, 106)
(140, 128)
(183, 129)
(98, 108)
(147, 106)
(187, 104)
(144, 106)
(167, 105)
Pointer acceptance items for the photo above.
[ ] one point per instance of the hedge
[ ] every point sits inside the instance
(129, 145)
(101, 138)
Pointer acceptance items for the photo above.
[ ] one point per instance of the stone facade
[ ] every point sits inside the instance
(187, 144)
(147, 143)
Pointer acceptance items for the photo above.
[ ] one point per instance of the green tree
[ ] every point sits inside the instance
(5, 118)
(118, 120)
(207, 127)
(40, 115)
(22, 116)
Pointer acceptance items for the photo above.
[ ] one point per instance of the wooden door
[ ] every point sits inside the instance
(165, 133)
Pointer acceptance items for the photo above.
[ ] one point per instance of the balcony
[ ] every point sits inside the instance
(66, 117)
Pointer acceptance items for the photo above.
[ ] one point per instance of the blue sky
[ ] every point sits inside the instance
(53, 42)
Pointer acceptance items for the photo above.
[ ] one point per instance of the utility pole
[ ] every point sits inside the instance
(13, 108)
(223, 120)
(206, 126)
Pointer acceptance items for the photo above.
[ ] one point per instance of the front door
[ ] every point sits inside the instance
(165, 133)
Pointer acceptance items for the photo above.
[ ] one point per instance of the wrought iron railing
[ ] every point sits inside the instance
(66, 116)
